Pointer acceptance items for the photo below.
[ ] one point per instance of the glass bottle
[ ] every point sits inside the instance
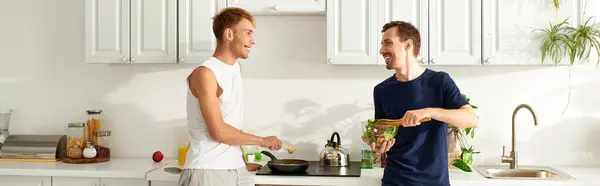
(94, 122)
(367, 158)
(103, 147)
(75, 138)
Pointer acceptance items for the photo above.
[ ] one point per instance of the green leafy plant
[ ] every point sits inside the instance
(583, 38)
(555, 41)
(460, 135)
(560, 40)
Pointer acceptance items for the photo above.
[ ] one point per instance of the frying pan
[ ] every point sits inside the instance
(286, 165)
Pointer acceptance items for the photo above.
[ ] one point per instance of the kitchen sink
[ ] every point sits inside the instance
(523, 172)
(514, 170)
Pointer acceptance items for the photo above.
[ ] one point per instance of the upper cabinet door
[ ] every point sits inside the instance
(153, 31)
(508, 26)
(412, 11)
(279, 6)
(455, 32)
(196, 39)
(352, 31)
(107, 31)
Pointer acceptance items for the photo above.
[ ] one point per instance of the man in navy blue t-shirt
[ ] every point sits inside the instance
(418, 155)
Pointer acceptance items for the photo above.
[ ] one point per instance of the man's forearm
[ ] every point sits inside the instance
(461, 118)
(229, 135)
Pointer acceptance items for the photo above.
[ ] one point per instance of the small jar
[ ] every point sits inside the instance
(75, 138)
(94, 124)
(75, 152)
(103, 146)
(89, 151)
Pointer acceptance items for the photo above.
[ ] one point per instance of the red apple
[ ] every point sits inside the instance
(157, 156)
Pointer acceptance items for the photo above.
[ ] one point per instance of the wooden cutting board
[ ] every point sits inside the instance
(85, 160)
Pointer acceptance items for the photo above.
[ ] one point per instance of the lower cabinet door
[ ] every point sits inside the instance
(25, 181)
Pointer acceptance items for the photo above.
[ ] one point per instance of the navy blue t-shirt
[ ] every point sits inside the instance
(420, 156)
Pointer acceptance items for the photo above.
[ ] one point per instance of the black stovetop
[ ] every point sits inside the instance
(314, 169)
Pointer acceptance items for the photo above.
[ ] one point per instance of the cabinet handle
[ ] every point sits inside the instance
(123, 59)
(276, 8)
(132, 59)
(432, 61)
(181, 59)
(330, 61)
(488, 60)
(421, 61)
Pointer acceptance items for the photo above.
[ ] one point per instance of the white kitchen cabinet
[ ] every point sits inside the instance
(266, 7)
(25, 181)
(163, 183)
(508, 26)
(79, 181)
(412, 11)
(106, 31)
(131, 31)
(454, 32)
(123, 182)
(196, 39)
(75, 181)
(352, 32)
(153, 31)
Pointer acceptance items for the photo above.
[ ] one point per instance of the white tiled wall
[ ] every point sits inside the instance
(289, 91)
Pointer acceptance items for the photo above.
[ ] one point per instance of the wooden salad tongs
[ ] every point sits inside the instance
(397, 122)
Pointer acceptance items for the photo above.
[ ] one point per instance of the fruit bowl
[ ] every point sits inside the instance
(378, 133)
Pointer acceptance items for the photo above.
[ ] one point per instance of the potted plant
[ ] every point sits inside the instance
(461, 158)
(576, 42)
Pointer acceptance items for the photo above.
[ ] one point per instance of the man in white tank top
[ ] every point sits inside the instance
(214, 108)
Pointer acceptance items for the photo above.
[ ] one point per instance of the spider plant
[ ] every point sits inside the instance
(561, 40)
(555, 41)
(582, 39)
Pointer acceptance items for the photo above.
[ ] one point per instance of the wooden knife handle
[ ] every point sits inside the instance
(399, 122)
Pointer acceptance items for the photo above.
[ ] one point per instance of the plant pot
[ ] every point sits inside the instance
(453, 148)
(451, 141)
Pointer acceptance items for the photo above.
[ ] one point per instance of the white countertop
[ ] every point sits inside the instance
(583, 176)
(115, 168)
(149, 170)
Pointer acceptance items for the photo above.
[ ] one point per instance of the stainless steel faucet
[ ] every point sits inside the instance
(512, 159)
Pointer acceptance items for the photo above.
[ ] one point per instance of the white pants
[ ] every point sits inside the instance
(215, 177)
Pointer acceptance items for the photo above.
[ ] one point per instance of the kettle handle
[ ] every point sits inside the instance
(339, 141)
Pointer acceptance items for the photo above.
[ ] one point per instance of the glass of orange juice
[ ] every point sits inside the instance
(181, 153)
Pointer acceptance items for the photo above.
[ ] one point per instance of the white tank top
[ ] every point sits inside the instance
(205, 152)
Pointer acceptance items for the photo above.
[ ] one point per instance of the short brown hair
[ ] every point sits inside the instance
(406, 31)
(229, 17)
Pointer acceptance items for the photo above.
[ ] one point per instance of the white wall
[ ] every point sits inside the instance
(290, 91)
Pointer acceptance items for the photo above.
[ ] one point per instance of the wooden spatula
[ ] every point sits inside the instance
(398, 122)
